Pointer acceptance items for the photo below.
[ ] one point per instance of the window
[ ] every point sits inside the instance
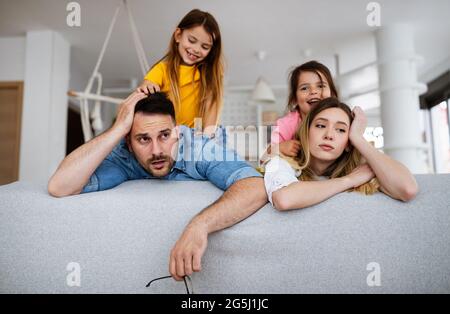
(440, 135)
(435, 103)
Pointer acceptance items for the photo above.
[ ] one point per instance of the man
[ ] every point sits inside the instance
(145, 143)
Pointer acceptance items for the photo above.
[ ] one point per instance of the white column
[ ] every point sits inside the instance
(399, 95)
(44, 117)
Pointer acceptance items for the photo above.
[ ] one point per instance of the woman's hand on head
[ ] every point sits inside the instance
(358, 126)
(361, 174)
(148, 87)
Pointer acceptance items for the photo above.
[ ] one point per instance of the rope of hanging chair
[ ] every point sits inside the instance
(102, 52)
(137, 41)
(84, 104)
(90, 96)
(87, 95)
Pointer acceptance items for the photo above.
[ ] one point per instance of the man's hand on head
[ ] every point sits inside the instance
(125, 113)
(80, 164)
(186, 255)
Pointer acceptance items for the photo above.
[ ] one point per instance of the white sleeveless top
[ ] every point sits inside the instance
(278, 174)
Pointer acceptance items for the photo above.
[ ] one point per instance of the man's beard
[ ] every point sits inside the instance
(159, 166)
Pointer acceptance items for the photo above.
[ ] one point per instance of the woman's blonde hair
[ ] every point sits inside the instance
(343, 165)
(211, 68)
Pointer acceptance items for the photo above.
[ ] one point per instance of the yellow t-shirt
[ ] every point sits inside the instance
(189, 85)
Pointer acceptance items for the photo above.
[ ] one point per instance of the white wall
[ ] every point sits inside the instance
(44, 117)
(356, 53)
(436, 71)
(12, 58)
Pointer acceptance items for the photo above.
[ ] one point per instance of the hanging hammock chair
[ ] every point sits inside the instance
(97, 97)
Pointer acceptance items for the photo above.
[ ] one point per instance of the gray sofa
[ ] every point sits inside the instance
(121, 239)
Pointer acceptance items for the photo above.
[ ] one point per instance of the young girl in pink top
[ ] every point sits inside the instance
(308, 84)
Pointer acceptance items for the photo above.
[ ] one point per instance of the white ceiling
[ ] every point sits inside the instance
(283, 28)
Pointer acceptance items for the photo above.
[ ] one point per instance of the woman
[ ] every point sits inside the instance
(334, 157)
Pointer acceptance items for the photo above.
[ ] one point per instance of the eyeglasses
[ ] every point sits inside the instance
(191, 291)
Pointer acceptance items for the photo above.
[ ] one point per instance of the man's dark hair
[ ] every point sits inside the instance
(156, 103)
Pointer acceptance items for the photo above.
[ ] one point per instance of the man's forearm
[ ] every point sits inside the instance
(242, 199)
(75, 170)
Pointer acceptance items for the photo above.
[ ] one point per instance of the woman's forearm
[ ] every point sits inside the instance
(307, 193)
(394, 177)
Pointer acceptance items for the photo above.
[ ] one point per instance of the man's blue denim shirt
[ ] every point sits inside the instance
(199, 158)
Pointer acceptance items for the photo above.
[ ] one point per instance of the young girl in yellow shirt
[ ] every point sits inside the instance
(191, 72)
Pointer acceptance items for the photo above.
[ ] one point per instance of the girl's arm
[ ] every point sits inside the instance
(153, 80)
(282, 139)
(148, 87)
(210, 120)
(395, 179)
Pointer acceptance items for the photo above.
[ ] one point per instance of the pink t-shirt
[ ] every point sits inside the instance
(286, 127)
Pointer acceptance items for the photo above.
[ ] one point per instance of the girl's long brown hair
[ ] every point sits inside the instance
(211, 68)
(343, 165)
